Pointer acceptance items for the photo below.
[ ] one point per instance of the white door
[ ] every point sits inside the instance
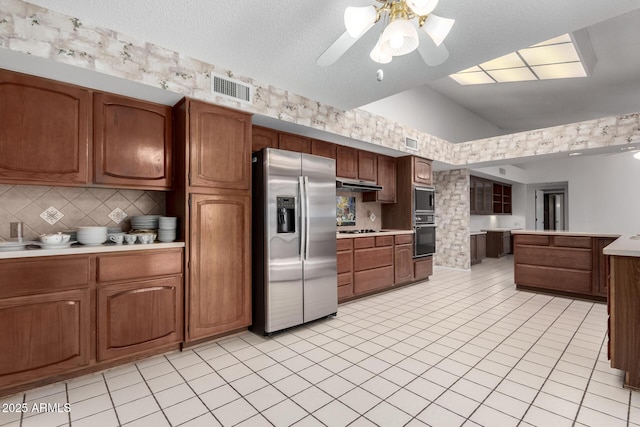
(539, 210)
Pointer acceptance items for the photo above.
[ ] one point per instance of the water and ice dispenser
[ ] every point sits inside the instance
(286, 207)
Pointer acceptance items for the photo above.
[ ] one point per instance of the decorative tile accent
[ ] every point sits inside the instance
(51, 215)
(117, 215)
(453, 218)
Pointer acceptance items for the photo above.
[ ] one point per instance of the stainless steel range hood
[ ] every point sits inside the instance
(356, 185)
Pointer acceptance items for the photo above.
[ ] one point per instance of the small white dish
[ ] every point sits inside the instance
(15, 245)
(55, 245)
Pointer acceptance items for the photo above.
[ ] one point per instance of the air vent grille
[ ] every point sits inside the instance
(231, 88)
(411, 144)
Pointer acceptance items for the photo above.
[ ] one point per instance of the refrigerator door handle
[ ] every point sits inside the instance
(303, 217)
(307, 226)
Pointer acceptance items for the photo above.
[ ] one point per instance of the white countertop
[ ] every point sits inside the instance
(565, 233)
(475, 233)
(80, 249)
(377, 233)
(628, 245)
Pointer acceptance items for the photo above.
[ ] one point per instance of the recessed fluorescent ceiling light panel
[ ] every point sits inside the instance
(556, 58)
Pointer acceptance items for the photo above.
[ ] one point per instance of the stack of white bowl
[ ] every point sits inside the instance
(92, 236)
(168, 226)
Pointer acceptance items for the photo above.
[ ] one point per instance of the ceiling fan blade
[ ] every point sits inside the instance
(432, 55)
(337, 49)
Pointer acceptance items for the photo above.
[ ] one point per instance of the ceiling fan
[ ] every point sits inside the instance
(402, 19)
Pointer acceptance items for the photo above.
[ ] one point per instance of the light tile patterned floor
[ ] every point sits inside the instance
(464, 348)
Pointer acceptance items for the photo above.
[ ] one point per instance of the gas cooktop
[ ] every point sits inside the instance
(362, 231)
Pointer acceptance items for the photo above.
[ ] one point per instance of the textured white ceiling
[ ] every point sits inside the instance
(278, 42)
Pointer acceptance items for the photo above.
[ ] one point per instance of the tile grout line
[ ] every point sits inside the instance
(111, 398)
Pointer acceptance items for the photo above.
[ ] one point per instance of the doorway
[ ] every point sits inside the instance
(551, 209)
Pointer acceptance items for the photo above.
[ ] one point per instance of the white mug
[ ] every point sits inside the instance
(130, 238)
(145, 238)
(116, 238)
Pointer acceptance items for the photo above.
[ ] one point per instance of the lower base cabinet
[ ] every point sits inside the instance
(57, 322)
(478, 248)
(44, 335)
(498, 244)
(375, 263)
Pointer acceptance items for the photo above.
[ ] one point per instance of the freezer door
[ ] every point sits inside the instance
(283, 281)
(319, 244)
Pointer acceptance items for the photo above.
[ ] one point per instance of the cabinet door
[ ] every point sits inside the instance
(296, 143)
(45, 131)
(44, 335)
(323, 148)
(472, 196)
(422, 173)
(506, 243)
(403, 264)
(139, 316)
(219, 295)
(220, 154)
(263, 138)
(367, 166)
(601, 261)
(481, 246)
(387, 179)
(132, 142)
(473, 248)
(346, 162)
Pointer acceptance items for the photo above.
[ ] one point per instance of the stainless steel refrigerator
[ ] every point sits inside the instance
(294, 239)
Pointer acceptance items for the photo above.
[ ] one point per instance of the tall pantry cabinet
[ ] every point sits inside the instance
(212, 199)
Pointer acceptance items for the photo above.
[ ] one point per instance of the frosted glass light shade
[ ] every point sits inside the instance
(437, 28)
(422, 7)
(357, 20)
(399, 38)
(378, 55)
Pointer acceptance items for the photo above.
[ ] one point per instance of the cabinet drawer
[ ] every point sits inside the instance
(422, 268)
(371, 280)
(403, 239)
(345, 262)
(555, 279)
(345, 291)
(345, 279)
(27, 276)
(572, 241)
(530, 239)
(344, 244)
(577, 259)
(128, 266)
(364, 242)
(366, 259)
(384, 241)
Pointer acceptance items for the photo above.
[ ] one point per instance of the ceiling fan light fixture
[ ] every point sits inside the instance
(399, 38)
(437, 28)
(380, 56)
(422, 7)
(357, 20)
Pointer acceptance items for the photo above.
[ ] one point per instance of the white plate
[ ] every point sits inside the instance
(15, 246)
(55, 245)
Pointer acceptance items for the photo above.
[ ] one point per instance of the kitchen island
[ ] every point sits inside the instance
(624, 307)
(562, 262)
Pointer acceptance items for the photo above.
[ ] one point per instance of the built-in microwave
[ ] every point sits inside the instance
(423, 200)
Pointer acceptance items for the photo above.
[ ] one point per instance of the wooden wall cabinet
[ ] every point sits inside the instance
(386, 177)
(367, 166)
(132, 143)
(296, 143)
(422, 171)
(323, 148)
(501, 198)
(220, 147)
(45, 131)
(478, 248)
(488, 197)
(263, 138)
(346, 162)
